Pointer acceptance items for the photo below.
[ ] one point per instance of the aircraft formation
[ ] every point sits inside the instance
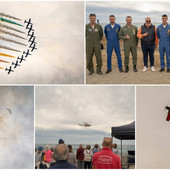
(31, 40)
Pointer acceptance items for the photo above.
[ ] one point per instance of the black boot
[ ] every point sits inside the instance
(135, 69)
(126, 69)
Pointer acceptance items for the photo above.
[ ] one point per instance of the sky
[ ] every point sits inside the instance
(139, 10)
(59, 110)
(152, 142)
(59, 31)
(16, 149)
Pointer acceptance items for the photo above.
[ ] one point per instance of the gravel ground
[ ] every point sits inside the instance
(115, 77)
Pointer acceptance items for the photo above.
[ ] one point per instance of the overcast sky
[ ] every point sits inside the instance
(59, 31)
(59, 110)
(153, 130)
(17, 150)
(139, 10)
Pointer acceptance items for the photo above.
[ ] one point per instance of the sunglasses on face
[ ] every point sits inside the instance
(148, 21)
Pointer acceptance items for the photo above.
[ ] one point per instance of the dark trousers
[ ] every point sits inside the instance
(87, 165)
(148, 49)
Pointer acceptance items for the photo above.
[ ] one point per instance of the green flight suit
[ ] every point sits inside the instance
(93, 38)
(129, 45)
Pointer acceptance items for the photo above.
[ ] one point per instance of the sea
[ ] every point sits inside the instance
(125, 148)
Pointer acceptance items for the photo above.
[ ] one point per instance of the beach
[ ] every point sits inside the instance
(115, 77)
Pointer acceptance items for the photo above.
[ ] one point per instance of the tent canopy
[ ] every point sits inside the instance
(125, 132)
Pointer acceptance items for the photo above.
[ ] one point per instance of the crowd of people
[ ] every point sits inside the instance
(148, 33)
(62, 156)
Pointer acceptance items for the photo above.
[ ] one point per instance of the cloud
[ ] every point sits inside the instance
(63, 108)
(17, 137)
(60, 41)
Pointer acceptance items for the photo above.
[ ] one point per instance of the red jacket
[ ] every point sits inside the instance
(168, 116)
(106, 159)
(80, 153)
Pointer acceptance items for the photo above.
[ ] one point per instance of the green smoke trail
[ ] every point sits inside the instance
(11, 22)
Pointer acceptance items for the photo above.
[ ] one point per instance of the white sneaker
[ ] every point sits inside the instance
(144, 69)
(152, 68)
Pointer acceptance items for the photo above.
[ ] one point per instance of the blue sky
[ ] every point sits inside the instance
(59, 110)
(139, 10)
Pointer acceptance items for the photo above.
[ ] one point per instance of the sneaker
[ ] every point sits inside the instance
(152, 68)
(126, 69)
(99, 72)
(90, 73)
(168, 70)
(161, 70)
(135, 69)
(121, 70)
(108, 71)
(144, 69)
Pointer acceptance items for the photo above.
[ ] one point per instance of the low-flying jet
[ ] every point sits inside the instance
(26, 53)
(30, 29)
(31, 36)
(32, 40)
(21, 59)
(32, 47)
(85, 124)
(15, 64)
(9, 70)
(28, 23)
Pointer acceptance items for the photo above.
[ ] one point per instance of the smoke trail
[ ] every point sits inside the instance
(8, 16)
(13, 41)
(11, 22)
(6, 55)
(6, 32)
(8, 48)
(3, 61)
(10, 28)
(1, 68)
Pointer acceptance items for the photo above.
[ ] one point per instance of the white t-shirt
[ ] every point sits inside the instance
(164, 26)
(112, 26)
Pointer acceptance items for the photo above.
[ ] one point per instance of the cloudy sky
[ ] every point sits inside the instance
(59, 110)
(139, 10)
(20, 147)
(152, 128)
(59, 31)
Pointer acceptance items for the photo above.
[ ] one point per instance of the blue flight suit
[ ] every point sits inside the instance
(113, 42)
(164, 44)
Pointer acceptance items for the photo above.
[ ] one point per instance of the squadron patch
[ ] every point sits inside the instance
(116, 31)
(108, 29)
(95, 30)
(160, 29)
(90, 29)
(134, 32)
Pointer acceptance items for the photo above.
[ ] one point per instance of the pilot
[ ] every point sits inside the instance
(128, 34)
(94, 34)
(111, 32)
(163, 33)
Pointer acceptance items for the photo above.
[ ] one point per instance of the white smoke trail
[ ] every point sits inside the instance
(9, 16)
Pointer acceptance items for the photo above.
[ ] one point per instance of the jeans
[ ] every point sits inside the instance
(80, 164)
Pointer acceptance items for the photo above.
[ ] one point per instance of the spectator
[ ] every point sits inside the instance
(115, 150)
(72, 157)
(38, 155)
(88, 157)
(80, 157)
(96, 148)
(48, 154)
(60, 141)
(61, 156)
(106, 159)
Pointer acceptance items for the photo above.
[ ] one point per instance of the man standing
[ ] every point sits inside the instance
(111, 32)
(106, 159)
(149, 41)
(163, 32)
(94, 34)
(80, 157)
(129, 35)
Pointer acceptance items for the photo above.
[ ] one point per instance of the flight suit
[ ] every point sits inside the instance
(129, 45)
(93, 38)
(164, 44)
(113, 42)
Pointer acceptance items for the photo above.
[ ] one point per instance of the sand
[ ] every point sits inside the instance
(115, 77)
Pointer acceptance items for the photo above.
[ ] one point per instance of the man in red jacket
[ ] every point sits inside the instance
(168, 116)
(80, 157)
(106, 159)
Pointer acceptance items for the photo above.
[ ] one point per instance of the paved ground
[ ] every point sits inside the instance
(115, 77)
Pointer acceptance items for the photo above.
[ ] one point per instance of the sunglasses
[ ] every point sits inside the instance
(148, 21)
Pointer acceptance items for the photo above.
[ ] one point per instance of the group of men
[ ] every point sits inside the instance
(130, 35)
